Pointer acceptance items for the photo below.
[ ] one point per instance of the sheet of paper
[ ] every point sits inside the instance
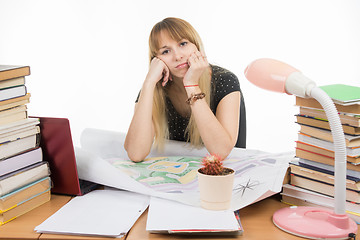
(109, 212)
(166, 215)
(102, 159)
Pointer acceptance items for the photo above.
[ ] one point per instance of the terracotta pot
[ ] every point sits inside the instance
(216, 190)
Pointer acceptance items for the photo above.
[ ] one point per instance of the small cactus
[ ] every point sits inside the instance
(212, 165)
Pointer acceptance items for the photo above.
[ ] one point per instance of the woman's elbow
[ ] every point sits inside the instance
(225, 153)
(135, 152)
(136, 155)
(226, 150)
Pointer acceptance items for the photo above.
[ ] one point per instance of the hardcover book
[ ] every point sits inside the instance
(13, 114)
(19, 133)
(312, 103)
(325, 168)
(17, 197)
(322, 187)
(301, 193)
(10, 103)
(13, 92)
(325, 152)
(12, 82)
(343, 94)
(350, 151)
(324, 124)
(22, 177)
(13, 71)
(19, 161)
(316, 157)
(24, 207)
(8, 128)
(323, 177)
(351, 141)
(345, 118)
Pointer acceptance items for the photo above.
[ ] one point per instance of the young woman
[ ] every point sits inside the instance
(185, 98)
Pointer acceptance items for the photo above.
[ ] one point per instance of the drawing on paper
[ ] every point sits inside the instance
(167, 174)
(179, 173)
(240, 188)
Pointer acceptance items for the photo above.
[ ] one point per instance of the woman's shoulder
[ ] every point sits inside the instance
(220, 73)
(223, 82)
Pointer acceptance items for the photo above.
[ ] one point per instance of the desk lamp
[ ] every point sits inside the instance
(309, 222)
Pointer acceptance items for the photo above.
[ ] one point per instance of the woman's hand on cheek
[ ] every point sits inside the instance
(197, 65)
(158, 70)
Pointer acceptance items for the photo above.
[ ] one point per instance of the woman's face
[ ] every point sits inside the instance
(175, 54)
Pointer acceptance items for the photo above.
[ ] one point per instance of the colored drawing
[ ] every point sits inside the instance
(179, 173)
(169, 172)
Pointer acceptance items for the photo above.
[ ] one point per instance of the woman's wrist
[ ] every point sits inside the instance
(194, 97)
(191, 85)
(148, 83)
(192, 90)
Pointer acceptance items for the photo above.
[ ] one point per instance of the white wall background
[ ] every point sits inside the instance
(89, 57)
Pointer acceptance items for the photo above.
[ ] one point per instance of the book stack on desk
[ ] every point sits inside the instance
(312, 174)
(24, 176)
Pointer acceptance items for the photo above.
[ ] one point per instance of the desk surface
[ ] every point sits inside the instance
(23, 226)
(256, 220)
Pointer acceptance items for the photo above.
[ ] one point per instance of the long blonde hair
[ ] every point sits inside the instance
(177, 29)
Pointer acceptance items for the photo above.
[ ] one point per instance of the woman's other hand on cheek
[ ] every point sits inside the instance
(158, 71)
(197, 65)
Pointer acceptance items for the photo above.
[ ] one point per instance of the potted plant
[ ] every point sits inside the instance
(215, 183)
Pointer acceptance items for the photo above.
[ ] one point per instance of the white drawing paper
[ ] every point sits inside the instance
(171, 174)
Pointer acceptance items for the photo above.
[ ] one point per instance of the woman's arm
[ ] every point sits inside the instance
(140, 135)
(219, 133)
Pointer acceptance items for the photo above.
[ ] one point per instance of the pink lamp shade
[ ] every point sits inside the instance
(269, 74)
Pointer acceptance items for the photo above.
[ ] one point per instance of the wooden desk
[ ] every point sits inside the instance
(23, 226)
(256, 220)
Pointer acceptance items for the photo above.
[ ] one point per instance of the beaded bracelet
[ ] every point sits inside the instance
(195, 97)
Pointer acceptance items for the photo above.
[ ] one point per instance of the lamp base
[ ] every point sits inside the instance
(314, 223)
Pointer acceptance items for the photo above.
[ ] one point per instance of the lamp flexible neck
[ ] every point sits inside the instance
(339, 146)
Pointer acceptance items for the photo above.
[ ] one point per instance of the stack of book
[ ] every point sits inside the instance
(24, 176)
(312, 173)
